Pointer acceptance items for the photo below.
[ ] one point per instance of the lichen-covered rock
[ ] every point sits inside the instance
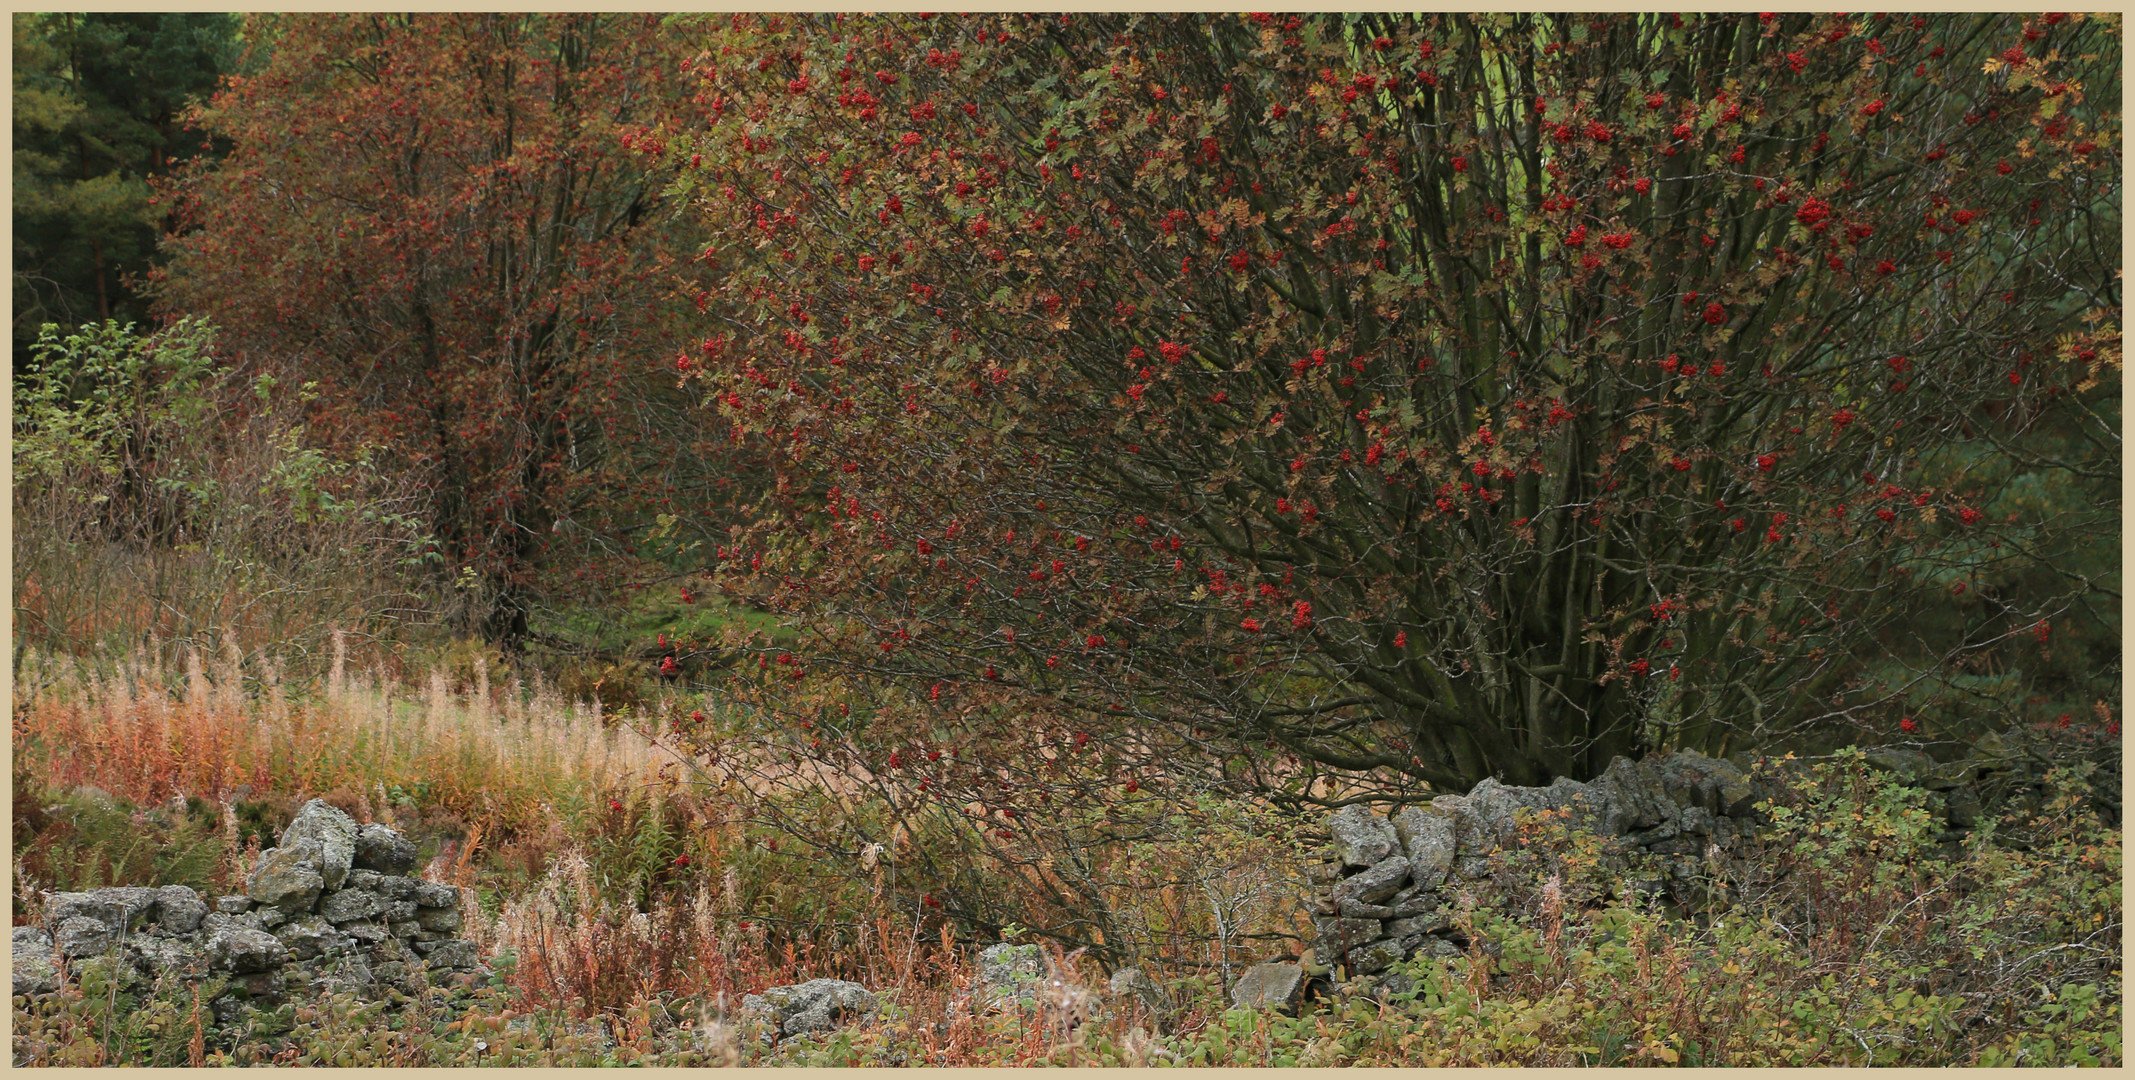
(178, 957)
(34, 971)
(365, 933)
(245, 950)
(815, 1005)
(234, 905)
(311, 935)
(1333, 937)
(434, 894)
(350, 905)
(1378, 955)
(127, 908)
(381, 849)
(179, 909)
(1427, 836)
(438, 918)
(1375, 884)
(1278, 985)
(287, 879)
(393, 887)
(1361, 838)
(325, 835)
(80, 935)
(1417, 925)
(1489, 817)
(457, 954)
(1012, 967)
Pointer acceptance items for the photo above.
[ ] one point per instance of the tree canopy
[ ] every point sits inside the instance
(1420, 398)
(98, 105)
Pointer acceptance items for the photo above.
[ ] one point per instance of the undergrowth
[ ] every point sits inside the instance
(628, 907)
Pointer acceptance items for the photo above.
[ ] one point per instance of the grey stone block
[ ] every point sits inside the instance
(1427, 836)
(815, 1005)
(1375, 884)
(286, 878)
(243, 949)
(349, 905)
(438, 918)
(81, 935)
(380, 848)
(179, 909)
(1279, 985)
(326, 836)
(1361, 838)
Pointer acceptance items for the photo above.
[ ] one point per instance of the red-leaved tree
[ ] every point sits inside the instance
(453, 226)
(1415, 398)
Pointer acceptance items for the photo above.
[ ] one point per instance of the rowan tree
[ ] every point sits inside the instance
(1416, 398)
(453, 226)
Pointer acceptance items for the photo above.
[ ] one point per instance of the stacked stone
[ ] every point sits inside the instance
(329, 908)
(1393, 882)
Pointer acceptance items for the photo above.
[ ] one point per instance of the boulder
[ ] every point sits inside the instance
(1379, 955)
(457, 954)
(815, 1005)
(326, 836)
(1629, 796)
(244, 950)
(1278, 985)
(286, 878)
(1011, 967)
(1375, 884)
(179, 909)
(438, 918)
(127, 908)
(79, 936)
(1427, 836)
(1417, 925)
(1361, 838)
(1333, 937)
(34, 971)
(350, 905)
(393, 887)
(383, 850)
(311, 935)
(156, 956)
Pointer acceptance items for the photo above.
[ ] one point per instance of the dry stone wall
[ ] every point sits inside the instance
(1392, 885)
(329, 908)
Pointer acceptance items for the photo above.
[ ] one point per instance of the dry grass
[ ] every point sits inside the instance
(494, 755)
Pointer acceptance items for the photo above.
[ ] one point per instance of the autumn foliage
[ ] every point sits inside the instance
(1272, 398)
(443, 222)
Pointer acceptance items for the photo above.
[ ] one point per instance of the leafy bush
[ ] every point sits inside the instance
(159, 494)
